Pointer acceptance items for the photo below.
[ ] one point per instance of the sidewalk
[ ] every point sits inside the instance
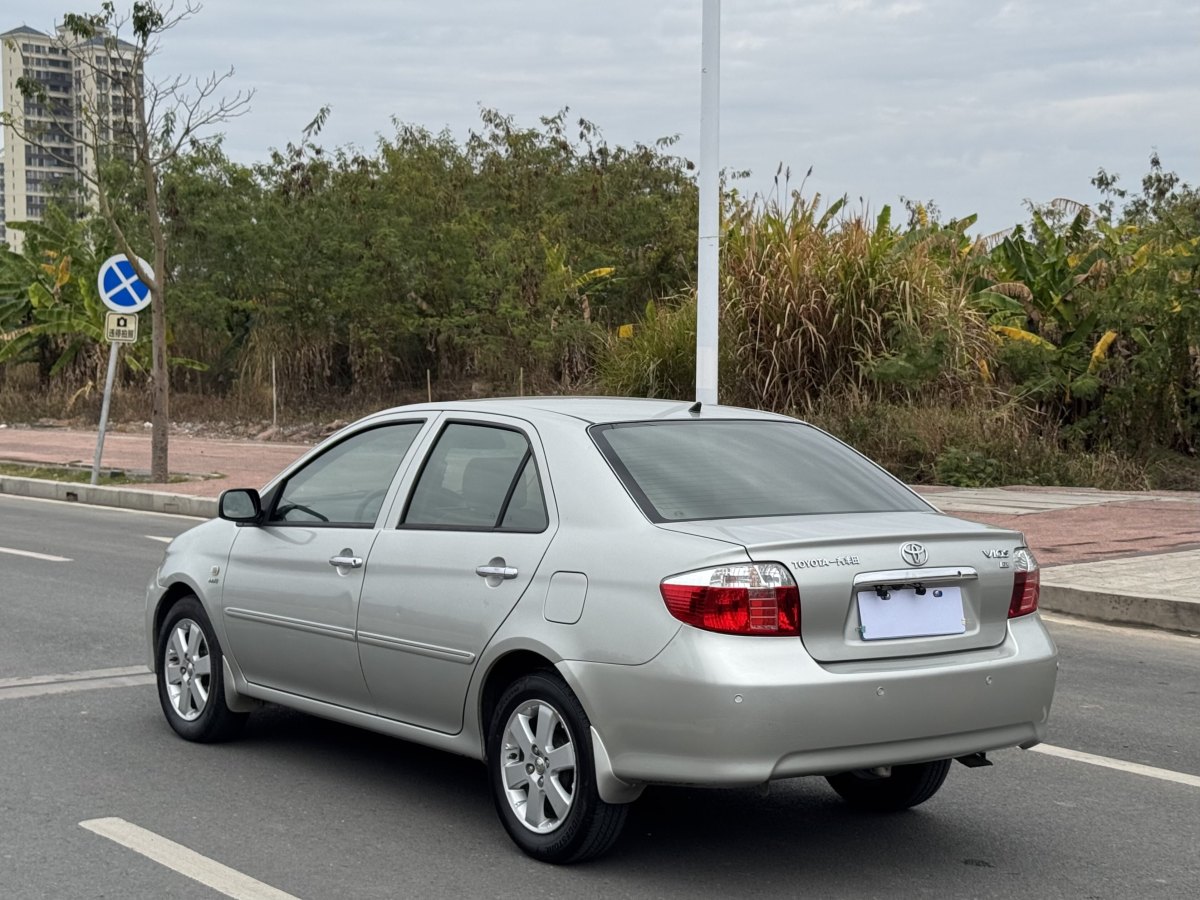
(215, 466)
(1129, 557)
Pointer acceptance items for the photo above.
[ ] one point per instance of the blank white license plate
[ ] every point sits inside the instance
(905, 613)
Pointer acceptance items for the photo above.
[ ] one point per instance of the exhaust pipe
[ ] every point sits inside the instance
(974, 760)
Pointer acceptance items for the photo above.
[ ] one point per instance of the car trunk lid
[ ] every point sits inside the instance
(887, 584)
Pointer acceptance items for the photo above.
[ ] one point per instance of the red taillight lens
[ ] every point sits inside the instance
(755, 599)
(1027, 584)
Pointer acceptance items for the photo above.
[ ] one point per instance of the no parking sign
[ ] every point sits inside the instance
(120, 288)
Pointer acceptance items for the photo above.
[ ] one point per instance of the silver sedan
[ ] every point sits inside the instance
(592, 595)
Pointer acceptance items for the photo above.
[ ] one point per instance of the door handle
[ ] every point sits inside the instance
(346, 562)
(505, 572)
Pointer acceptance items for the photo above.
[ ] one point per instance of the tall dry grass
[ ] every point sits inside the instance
(817, 304)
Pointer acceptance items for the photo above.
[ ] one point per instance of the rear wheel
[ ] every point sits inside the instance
(543, 776)
(907, 786)
(191, 680)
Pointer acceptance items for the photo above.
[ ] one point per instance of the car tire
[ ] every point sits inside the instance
(905, 788)
(543, 776)
(191, 677)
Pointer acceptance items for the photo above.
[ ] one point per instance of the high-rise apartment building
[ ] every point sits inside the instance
(85, 106)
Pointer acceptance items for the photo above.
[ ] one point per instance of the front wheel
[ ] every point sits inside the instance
(191, 681)
(906, 787)
(543, 776)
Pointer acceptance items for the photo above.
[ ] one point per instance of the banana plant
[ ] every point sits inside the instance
(1038, 295)
(49, 307)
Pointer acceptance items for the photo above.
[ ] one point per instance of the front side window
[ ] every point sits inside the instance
(347, 484)
(723, 469)
(478, 477)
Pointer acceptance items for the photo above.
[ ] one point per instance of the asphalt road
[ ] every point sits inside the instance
(318, 810)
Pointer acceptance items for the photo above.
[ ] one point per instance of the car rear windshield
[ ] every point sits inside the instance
(725, 469)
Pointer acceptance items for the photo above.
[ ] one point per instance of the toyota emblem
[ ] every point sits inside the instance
(914, 554)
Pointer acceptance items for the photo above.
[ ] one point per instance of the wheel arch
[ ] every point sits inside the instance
(517, 662)
(503, 671)
(172, 595)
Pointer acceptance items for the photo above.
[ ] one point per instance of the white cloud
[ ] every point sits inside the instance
(901, 10)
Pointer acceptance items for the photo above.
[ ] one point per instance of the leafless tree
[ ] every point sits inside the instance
(118, 113)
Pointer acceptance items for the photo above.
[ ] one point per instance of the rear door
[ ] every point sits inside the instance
(441, 579)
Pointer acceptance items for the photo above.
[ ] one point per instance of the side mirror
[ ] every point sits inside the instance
(241, 505)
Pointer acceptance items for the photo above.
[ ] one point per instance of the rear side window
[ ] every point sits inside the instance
(478, 477)
(679, 471)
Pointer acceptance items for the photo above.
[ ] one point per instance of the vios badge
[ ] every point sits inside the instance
(914, 554)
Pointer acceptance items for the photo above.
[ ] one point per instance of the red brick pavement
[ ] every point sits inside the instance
(237, 463)
(1105, 531)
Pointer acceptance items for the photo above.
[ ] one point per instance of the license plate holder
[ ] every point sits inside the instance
(907, 614)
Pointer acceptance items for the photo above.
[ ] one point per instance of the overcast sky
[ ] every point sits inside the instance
(977, 105)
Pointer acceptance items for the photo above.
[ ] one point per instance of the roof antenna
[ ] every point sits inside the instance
(694, 409)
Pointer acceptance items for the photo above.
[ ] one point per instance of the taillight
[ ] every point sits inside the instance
(1027, 584)
(757, 599)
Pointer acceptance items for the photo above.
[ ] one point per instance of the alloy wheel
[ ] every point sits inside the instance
(187, 669)
(538, 766)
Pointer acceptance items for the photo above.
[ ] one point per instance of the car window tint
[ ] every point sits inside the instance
(734, 469)
(347, 484)
(526, 508)
(468, 476)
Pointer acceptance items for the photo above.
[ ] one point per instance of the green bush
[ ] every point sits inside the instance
(658, 359)
(972, 445)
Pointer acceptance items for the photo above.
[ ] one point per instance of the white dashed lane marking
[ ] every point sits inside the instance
(155, 537)
(46, 557)
(184, 860)
(68, 682)
(1119, 765)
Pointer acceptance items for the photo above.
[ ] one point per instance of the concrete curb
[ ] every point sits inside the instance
(102, 495)
(1173, 614)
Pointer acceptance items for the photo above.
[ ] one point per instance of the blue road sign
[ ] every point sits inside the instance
(120, 288)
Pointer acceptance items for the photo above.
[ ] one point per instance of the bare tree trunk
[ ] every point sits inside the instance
(160, 418)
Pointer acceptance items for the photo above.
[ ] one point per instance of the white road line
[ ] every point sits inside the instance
(179, 858)
(43, 556)
(1119, 764)
(69, 682)
(155, 537)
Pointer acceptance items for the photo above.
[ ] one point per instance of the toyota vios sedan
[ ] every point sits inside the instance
(593, 595)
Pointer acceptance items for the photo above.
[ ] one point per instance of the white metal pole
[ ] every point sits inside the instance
(108, 387)
(708, 273)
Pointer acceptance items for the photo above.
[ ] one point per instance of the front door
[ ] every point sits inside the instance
(291, 585)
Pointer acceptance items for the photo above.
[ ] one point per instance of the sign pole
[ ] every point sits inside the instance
(120, 289)
(108, 386)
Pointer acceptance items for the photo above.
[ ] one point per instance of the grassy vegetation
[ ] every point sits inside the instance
(72, 474)
(974, 446)
(1070, 357)
(1064, 350)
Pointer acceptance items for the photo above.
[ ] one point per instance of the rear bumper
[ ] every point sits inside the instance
(721, 710)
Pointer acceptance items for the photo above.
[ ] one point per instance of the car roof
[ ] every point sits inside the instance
(593, 410)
